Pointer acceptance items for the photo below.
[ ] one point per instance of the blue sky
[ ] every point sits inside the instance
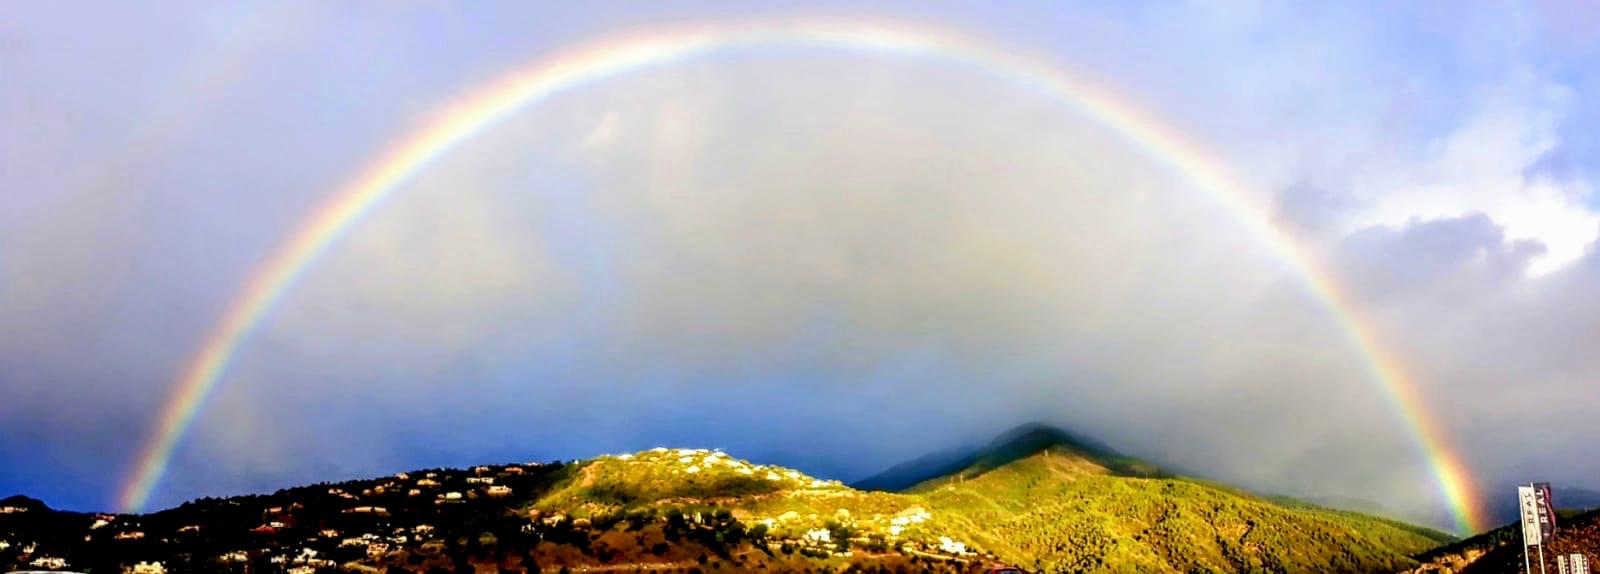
(823, 258)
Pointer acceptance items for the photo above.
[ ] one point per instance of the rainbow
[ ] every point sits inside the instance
(483, 108)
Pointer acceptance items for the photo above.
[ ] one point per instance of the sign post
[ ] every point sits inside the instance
(1547, 511)
(1538, 524)
(1530, 527)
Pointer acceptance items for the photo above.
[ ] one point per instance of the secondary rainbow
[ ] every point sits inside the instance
(483, 108)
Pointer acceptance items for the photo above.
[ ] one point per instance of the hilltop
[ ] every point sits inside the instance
(1036, 497)
(1048, 499)
(1010, 446)
(662, 509)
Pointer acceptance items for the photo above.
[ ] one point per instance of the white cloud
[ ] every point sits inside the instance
(1486, 165)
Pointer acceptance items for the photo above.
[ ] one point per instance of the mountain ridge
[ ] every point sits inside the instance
(1011, 445)
(1036, 496)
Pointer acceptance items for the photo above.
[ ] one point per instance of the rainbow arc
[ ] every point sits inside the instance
(484, 107)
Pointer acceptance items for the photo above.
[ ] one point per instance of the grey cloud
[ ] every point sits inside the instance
(1436, 257)
(1490, 345)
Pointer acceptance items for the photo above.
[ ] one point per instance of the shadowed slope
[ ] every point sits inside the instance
(1015, 444)
(1500, 550)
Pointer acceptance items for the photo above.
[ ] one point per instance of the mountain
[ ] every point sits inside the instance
(1361, 505)
(1049, 500)
(20, 503)
(662, 509)
(1010, 446)
(1036, 497)
(1500, 550)
(909, 473)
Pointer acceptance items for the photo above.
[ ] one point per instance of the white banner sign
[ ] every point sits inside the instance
(1531, 534)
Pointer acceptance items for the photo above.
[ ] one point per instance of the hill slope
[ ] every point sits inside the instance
(1058, 512)
(1500, 550)
(1037, 498)
(1015, 444)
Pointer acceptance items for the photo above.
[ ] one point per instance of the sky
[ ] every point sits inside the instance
(834, 259)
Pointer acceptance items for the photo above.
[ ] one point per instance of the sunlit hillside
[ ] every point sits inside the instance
(1037, 498)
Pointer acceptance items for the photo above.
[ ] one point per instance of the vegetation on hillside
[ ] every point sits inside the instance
(1039, 498)
(1055, 511)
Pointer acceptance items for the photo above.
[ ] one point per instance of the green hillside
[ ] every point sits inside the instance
(1038, 498)
(1056, 511)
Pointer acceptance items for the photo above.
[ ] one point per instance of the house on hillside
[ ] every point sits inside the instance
(49, 563)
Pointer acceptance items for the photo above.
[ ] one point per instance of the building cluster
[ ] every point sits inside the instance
(366, 511)
(703, 462)
(906, 518)
(302, 531)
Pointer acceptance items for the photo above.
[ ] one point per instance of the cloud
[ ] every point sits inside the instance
(1487, 165)
(1492, 346)
(1422, 117)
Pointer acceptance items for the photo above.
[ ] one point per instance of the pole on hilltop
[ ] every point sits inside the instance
(1522, 524)
(1526, 568)
(1536, 492)
(1541, 554)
